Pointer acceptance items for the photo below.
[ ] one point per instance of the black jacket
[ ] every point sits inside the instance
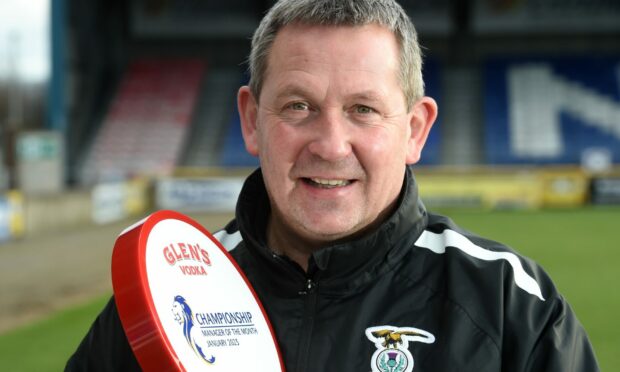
(419, 293)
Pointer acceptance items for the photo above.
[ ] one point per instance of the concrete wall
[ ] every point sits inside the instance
(47, 213)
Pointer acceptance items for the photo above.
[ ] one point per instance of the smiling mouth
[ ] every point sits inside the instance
(327, 183)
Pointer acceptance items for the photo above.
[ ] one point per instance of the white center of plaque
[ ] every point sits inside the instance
(210, 316)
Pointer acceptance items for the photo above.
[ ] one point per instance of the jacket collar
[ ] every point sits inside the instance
(346, 266)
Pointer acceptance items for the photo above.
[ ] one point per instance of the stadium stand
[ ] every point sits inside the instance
(145, 128)
(551, 110)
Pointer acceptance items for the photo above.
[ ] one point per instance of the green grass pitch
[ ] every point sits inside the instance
(580, 248)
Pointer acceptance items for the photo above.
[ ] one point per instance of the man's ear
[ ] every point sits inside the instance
(423, 115)
(248, 109)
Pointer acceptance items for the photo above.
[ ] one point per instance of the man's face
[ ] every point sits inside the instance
(332, 129)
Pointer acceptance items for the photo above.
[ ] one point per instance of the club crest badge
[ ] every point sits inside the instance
(392, 354)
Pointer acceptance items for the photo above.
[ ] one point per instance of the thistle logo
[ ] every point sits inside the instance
(184, 316)
(392, 354)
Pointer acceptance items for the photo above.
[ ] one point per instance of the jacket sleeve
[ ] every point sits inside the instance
(105, 347)
(563, 345)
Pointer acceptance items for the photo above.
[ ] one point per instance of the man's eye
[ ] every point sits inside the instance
(361, 109)
(300, 106)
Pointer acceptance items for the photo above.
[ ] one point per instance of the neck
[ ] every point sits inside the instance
(282, 241)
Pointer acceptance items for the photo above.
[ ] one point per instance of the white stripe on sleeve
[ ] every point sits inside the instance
(450, 238)
(229, 241)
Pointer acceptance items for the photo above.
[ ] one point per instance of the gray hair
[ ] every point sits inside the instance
(386, 13)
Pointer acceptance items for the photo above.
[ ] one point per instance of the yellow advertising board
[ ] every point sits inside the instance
(564, 187)
(485, 190)
(137, 196)
(11, 215)
(505, 187)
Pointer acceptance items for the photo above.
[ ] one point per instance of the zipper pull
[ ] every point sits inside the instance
(308, 288)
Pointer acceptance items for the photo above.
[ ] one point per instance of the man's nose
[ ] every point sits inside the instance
(331, 137)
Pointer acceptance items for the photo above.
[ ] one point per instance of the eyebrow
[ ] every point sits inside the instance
(292, 90)
(297, 90)
(368, 95)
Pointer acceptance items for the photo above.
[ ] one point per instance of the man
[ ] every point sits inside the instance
(353, 272)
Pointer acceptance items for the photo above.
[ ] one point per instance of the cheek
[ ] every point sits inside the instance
(277, 158)
(384, 148)
(384, 159)
(280, 144)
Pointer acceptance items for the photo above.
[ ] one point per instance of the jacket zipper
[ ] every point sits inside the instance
(310, 293)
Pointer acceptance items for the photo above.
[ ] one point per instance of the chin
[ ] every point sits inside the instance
(328, 232)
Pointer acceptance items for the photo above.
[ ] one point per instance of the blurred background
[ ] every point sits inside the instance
(112, 109)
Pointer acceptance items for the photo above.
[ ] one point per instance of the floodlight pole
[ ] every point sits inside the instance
(57, 112)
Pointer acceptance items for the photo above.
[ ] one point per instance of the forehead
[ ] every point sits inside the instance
(344, 59)
(371, 49)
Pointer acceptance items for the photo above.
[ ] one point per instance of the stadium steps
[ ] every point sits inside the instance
(216, 104)
(462, 129)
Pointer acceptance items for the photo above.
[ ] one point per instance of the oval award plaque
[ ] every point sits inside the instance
(184, 303)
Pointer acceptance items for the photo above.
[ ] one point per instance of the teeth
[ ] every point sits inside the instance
(330, 183)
